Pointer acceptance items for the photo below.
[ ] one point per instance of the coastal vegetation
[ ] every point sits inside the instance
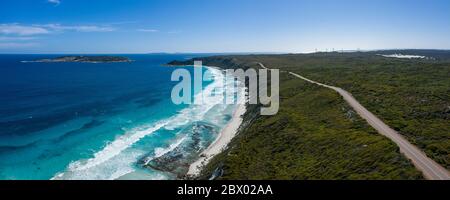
(410, 95)
(317, 136)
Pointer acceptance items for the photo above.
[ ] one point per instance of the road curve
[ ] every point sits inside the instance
(430, 169)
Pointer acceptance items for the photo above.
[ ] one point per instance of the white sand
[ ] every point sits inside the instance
(404, 56)
(221, 142)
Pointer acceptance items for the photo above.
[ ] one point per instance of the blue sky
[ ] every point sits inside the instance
(145, 26)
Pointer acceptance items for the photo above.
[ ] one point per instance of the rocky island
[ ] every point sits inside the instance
(175, 63)
(87, 59)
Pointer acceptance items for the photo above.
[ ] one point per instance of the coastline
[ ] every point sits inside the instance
(94, 62)
(223, 139)
(225, 136)
(221, 142)
(192, 167)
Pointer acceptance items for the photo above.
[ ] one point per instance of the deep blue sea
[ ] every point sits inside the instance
(99, 121)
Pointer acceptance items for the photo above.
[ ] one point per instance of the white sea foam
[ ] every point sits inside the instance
(115, 147)
(104, 164)
(110, 170)
(162, 151)
(196, 112)
(159, 151)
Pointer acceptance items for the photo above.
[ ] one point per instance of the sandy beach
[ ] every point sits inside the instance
(221, 142)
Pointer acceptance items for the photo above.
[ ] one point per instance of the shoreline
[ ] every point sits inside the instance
(221, 142)
(223, 139)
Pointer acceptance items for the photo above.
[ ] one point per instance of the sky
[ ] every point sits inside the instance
(213, 26)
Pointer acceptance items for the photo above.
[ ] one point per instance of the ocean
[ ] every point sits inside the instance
(100, 121)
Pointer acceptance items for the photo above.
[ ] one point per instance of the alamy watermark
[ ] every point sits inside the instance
(235, 86)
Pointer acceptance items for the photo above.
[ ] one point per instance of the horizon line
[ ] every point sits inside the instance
(235, 52)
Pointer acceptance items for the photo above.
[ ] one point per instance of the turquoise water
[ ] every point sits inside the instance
(100, 121)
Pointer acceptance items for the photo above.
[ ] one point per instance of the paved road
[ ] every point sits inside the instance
(430, 169)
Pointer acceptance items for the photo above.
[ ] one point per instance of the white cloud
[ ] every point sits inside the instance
(3, 38)
(28, 30)
(61, 28)
(15, 29)
(56, 2)
(148, 30)
(9, 45)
